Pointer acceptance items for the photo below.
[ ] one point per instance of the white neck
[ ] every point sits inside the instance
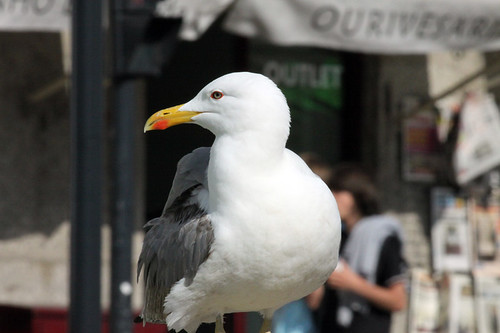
(233, 156)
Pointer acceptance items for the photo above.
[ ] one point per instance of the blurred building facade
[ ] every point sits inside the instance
(366, 126)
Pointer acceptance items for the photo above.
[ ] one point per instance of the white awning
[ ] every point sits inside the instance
(382, 26)
(34, 15)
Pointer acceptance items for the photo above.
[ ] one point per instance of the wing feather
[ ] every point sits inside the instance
(179, 241)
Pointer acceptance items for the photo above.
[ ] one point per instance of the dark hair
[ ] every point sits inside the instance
(357, 181)
(318, 165)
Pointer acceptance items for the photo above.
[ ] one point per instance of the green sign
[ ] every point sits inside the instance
(311, 80)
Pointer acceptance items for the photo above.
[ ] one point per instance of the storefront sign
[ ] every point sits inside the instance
(311, 80)
(384, 26)
(34, 15)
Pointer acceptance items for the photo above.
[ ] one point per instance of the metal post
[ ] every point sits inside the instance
(87, 166)
(133, 57)
(122, 225)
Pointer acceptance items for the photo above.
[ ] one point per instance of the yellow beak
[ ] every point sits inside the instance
(169, 117)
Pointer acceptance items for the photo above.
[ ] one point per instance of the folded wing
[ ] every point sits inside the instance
(179, 241)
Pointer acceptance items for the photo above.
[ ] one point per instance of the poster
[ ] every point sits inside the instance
(420, 147)
(424, 306)
(450, 232)
(487, 286)
(450, 245)
(461, 313)
(485, 219)
(477, 150)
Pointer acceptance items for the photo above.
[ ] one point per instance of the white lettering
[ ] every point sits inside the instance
(33, 7)
(41, 7)
(304, 75)
(324, 18)
(358, 22)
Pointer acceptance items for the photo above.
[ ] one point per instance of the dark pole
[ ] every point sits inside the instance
(87, 166)
(124, 210)
(137, 53)
(125, 105)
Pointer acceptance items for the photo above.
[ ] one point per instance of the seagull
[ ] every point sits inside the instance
(247, 226)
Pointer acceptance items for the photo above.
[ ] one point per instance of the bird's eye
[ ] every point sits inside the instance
(216, 95)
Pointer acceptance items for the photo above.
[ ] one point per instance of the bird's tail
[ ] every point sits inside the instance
(154, 301)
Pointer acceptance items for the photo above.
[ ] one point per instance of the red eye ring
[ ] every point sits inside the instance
(216, 95)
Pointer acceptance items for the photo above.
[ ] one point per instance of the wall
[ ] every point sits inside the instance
(34, 168)
(35, 176)
(398, 77)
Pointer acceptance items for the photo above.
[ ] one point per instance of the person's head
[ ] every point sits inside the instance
(317, 165)
(355, 193)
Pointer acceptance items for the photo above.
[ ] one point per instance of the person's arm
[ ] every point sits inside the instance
(392, 298)
(314, 299)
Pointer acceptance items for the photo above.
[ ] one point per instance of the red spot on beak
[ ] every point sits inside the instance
(160, 124)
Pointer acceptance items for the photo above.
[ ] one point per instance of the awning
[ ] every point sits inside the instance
(382, 26)
(35, 15)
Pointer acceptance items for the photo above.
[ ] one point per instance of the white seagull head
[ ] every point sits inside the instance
(234, 103)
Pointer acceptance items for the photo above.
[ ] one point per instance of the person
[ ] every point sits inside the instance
(369, 282)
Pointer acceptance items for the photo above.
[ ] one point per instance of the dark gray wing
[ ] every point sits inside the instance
(191, 170)
(177, 242)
